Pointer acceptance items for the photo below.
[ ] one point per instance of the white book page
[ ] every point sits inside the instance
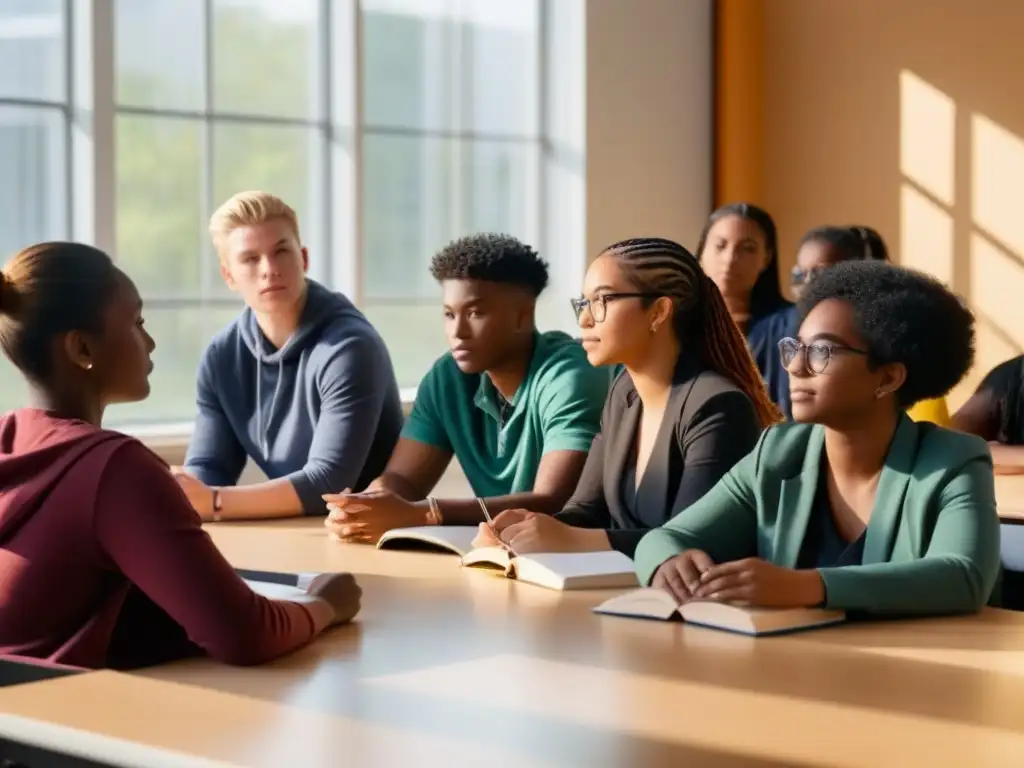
(646, 601)
(276, 591)
(458, 537)
(575, 564)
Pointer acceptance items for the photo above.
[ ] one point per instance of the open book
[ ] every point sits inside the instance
(554, 570)
(456, 539)
(558, 570)
(650, 603)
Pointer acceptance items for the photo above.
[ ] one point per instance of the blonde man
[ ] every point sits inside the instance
(300, 382)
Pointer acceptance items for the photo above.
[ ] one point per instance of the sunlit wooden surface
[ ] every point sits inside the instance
(1010, 496)
(468, 668)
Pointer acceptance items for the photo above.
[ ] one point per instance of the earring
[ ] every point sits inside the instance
(88, 366)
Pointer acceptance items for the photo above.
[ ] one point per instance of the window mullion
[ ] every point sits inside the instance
(92, 112)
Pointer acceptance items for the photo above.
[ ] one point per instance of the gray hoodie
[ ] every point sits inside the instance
(322, 411)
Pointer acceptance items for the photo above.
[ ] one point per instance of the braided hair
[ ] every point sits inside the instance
(663, 267)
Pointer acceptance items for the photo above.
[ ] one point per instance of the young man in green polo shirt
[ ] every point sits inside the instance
(517, 408)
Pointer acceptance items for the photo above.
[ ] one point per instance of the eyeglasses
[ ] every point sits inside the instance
(799, 276)
(817, 354)
(598, 306)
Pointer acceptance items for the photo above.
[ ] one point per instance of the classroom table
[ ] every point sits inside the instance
(449, 666)
(1010, 497)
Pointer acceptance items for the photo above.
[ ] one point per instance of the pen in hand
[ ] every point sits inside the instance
(490, 524)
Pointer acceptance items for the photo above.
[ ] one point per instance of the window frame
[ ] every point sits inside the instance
(91, 109)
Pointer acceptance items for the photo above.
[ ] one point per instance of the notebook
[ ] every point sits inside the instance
(455, 539)
(650, 603)
(558, 570)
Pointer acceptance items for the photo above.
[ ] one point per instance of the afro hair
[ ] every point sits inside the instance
(904, 316)
(493, 258)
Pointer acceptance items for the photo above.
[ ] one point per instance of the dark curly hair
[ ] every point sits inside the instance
(494, 258)
(904, 316)
(861, 243)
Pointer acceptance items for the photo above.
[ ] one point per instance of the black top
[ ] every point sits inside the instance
(709, 425)
(763, 335)
(629, 487)
(1001, 394)
(824, 546)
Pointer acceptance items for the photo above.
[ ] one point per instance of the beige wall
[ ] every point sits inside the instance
(649, 119)
(906, 116)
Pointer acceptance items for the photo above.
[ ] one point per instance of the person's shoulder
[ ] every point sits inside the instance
(343, 326)
(709, 384)
(1014, 367)
(712, 395)
(949, 446)
(129, 460)
(782, 447)
(777, 322)
(226, 343)
(561, 355)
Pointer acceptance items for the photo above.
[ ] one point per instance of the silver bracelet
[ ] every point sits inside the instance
(434, 516)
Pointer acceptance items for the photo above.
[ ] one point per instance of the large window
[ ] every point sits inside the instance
(34, 189)
(392, 126)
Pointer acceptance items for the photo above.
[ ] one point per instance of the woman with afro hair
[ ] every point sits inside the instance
(854, 507)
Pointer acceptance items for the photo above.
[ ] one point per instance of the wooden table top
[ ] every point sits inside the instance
(1010, 497)
(457, 667)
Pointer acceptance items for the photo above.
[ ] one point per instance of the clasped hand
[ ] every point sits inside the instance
(523, 531)
(362, 518)
(692, 575)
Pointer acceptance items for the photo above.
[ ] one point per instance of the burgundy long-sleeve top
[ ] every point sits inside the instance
(103, 561)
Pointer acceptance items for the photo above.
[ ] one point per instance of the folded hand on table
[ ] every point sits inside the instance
(341, 592)
(364, 517)
(199, 494)
(692, 575)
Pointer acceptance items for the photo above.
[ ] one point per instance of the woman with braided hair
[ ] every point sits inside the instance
(688, 405)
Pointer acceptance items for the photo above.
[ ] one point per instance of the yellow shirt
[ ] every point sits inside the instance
(934, 411)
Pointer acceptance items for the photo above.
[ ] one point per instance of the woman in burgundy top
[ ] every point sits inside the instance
(102, 560)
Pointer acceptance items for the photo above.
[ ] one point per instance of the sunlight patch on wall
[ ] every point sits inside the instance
(926, 235)
(997, 168)
(997, 285)
(927, 132)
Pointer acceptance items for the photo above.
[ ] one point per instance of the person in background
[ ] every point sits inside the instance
(103, 561)
(517, 408)
(824, 247)
(855, 507)
(738, 249)
(690, 404)
(995, 412)
(300, 382)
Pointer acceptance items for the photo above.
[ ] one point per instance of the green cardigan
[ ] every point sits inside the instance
(932, 542)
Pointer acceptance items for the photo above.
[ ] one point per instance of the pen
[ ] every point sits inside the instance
(490, 523)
